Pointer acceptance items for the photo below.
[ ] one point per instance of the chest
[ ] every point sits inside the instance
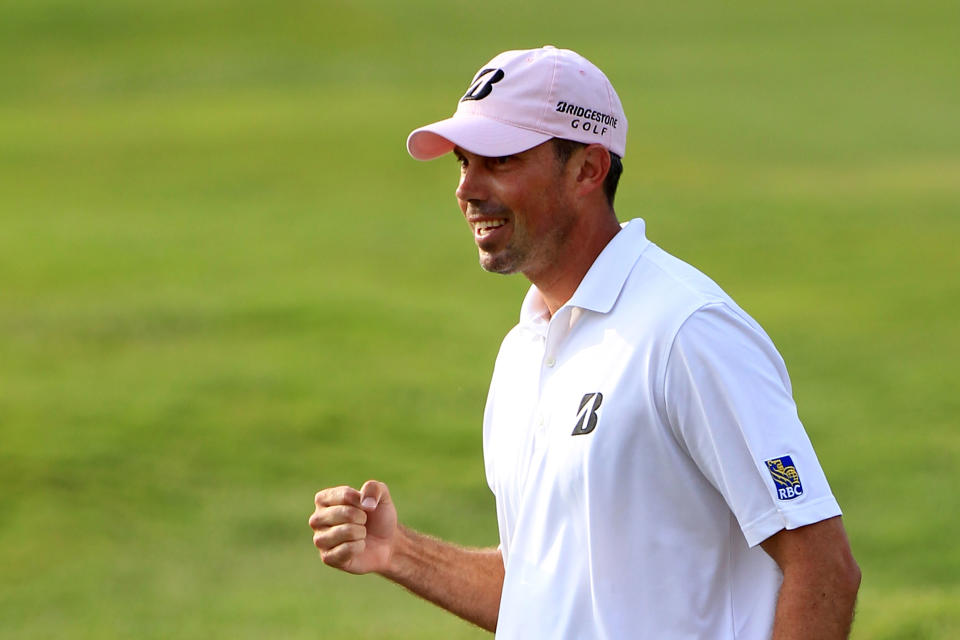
(572, 417)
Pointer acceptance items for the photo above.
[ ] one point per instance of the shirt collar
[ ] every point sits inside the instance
(601, 286)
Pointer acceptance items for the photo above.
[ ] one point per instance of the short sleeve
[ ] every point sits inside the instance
(728, 401)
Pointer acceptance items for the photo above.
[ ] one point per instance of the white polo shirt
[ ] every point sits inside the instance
(640, 444)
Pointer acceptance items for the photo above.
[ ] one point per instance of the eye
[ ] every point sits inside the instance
(500, 161)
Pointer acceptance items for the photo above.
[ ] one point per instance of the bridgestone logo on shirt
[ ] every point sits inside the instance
(587, 413)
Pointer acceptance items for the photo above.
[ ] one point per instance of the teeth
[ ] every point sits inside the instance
(485, 225)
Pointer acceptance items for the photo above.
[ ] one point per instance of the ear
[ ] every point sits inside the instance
(593, 169)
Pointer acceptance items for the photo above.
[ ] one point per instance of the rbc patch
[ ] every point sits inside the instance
(785, 478)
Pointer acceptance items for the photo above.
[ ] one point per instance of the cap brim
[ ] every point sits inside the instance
(476, 134)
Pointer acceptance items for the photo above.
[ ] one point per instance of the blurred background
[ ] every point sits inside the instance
(224, 285)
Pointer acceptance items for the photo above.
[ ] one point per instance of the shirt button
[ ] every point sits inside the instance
(550, 362)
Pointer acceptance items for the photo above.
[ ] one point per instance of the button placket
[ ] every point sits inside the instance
(557, 331)
(539, 431)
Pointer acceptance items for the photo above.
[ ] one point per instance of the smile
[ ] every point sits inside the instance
(483, 227)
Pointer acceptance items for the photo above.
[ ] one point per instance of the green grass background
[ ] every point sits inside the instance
(224, 285)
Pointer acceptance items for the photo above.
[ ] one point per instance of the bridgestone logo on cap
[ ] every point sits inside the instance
(586, 114)
(522, 98)
(483, 84)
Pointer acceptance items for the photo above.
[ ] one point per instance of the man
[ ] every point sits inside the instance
(652, 478)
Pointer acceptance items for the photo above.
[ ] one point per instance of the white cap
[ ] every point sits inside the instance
(523, 98)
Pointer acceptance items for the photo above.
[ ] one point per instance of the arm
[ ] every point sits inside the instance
(820, 581)
(467, 582)
(358, 532)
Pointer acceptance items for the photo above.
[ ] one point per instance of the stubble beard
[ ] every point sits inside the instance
(524, 255)
(527, 254)
(502, 263)
(511, 258)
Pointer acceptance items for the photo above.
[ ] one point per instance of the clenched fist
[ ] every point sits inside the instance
(355, 531)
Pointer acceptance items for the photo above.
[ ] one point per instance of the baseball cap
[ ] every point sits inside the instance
(523, 98)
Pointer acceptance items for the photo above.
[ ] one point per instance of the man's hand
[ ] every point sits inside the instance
(355, 531)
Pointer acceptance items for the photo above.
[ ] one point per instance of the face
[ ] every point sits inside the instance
(518, 209)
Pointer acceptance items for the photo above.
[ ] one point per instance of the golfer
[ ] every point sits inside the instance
(652, 477)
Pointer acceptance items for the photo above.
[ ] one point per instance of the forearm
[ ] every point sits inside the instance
(466, 582)
(816, 605)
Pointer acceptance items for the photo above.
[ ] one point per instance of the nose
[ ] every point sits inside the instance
(471, 186)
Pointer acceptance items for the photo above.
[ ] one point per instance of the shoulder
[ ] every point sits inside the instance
(675, 280)
(662, 292)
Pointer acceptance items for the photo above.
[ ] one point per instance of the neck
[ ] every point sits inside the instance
(558, 284)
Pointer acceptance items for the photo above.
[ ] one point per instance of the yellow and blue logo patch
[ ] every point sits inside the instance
(786, 480)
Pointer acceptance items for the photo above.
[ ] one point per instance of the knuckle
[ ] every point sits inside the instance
(321, 540)
(329, 558)
(330, 495)
(341, 554)
(348, 532)
(326, 538)
(335, 515)
(348, 514)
